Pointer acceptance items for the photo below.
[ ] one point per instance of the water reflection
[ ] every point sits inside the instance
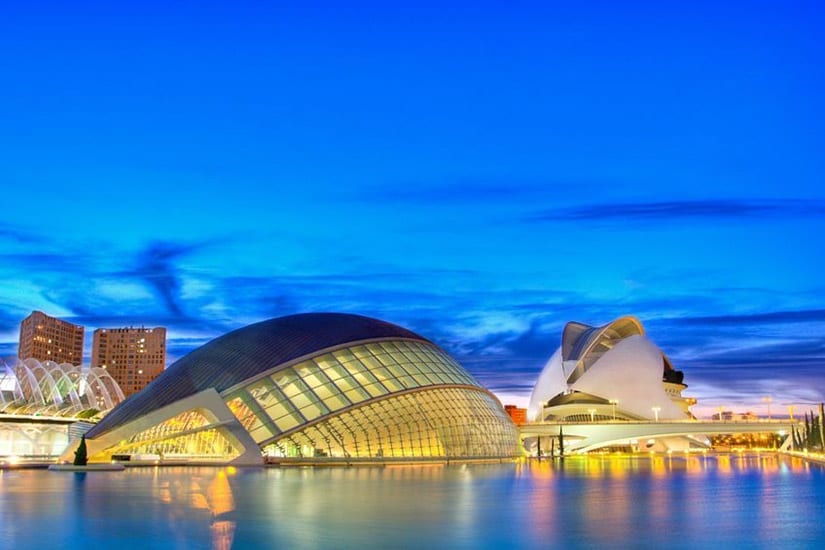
(197, 495)
(596, 501)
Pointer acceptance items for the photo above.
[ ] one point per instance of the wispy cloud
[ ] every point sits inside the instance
(16, 234)
(745, 319)
(468, 191)
(156, 266)
(503, 335)
(679, 210)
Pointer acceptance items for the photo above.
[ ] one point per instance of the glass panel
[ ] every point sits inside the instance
(336, 402)
(313, 410)
(344, 356)
(336, 371)
(346, 383)
(326, 361)
(356, 395)
(376, 390)
(261, 433)
(248, 419)
(264, 393)
(289, 383)
(311, 374)
(397, 370)
(288, 422)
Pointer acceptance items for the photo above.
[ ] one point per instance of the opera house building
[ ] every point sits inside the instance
(310, 385)
(610, 372)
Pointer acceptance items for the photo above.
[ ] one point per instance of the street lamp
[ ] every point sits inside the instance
(592, 414)
(614, 402)
(790, 411)
(768, 400)
(656, 412)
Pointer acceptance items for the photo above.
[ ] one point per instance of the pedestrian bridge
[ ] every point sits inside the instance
(582, 437)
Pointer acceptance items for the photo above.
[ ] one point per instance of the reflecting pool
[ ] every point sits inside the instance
(591, 502)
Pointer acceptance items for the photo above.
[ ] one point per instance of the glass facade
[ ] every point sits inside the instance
(366, 398)
(438, 422)
(397, 397)
(186, 436)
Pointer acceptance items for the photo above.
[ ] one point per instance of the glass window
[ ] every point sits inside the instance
(312, 411)
(376, 390)
(288, 422)
(289, 383)
(264, 393)
(336, 371)
(335, 402)
(311, 374)
(261, 433)
(344, 356)
(356, 395)
(325, 361)
(346, 383)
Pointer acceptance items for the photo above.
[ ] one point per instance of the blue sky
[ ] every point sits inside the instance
(479, 172)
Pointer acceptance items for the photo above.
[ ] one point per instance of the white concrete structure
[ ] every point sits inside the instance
(32, 387)
(41, 403)
(608, 373)
(673, 435)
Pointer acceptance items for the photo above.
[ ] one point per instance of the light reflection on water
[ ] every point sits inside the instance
(597, 501)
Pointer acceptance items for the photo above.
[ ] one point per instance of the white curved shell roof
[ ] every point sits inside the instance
(614, 362)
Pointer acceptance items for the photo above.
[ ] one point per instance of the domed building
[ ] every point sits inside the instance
(312, 386)
(611, 372)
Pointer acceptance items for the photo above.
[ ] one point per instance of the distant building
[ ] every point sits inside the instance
(518, 415)
(47, 338)
(730, 416)
(132, 356)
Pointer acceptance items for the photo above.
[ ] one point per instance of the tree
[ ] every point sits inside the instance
(80, 458)
(561, 443)
(807, 432)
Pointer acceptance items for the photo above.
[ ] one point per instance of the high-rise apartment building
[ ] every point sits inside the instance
(132, 356)
(47, 338)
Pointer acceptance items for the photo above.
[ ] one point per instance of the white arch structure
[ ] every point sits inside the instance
(33, 387)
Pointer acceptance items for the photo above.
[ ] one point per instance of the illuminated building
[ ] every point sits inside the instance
(41, 401)
(612, 373)
(608, 372)
(47, 338)
(517, 414)
(32, 387)
(309, 386)
(132, 356)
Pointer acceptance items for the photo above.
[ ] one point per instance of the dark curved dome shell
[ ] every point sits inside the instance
(244, 353)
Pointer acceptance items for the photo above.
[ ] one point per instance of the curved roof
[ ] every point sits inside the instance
(578, 339)
(244, 353)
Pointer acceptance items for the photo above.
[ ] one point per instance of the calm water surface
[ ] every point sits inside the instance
(751, 500)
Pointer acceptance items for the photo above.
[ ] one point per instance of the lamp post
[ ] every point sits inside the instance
(790, 411)
(614, 402)
(592, 414)
(656, 412)
(768, 400)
